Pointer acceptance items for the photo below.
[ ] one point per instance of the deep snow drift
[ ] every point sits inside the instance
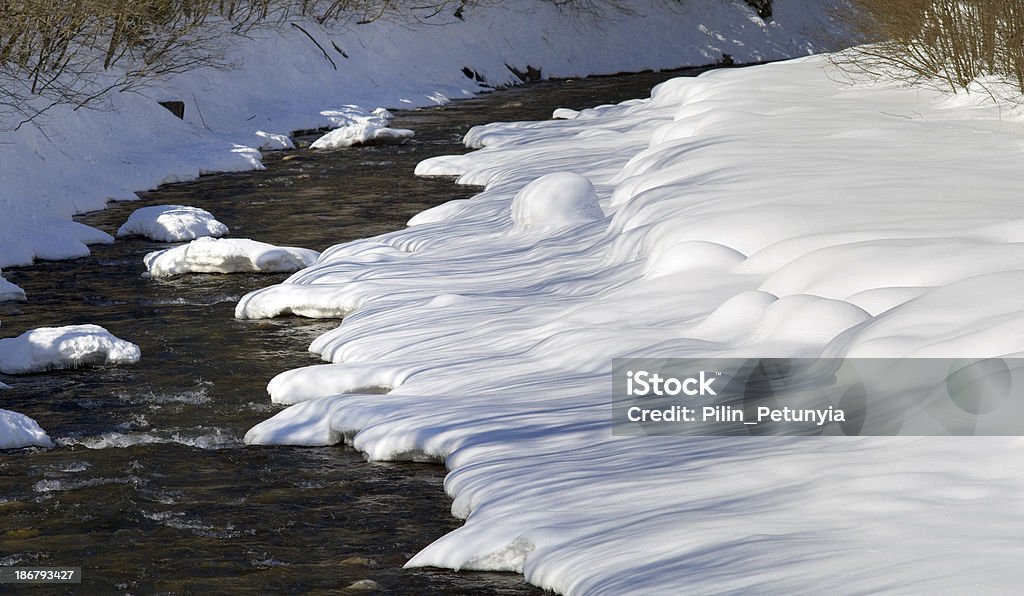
(771, 211)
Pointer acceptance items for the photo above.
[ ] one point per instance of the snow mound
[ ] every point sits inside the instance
(311, 382)
(734, 318)
(18, 430)
(268, 141)
(9, 291)
(356, 126)
(234, 255)
(690, 255)
(805, 319)
(72, 346)
(172, 223)
(554, 201)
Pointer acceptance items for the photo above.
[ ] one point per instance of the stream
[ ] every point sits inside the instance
(150, 488)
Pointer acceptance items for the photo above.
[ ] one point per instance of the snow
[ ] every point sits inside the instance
(9, 291)
(172, 223)
(356, 126)
(228, 255)
(555, 201)
(71, 346)
(280, 81)
(268, 141)
(18, 430)
(768, 211)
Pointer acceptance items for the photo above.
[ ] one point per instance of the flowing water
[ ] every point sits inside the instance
(150, 488)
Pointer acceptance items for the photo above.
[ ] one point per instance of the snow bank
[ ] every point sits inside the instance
(231, 255)
(356, 126)
(72, 346)
(283, 81)
(9, 291)
(18, 430)
(172, 223)
(766, 211)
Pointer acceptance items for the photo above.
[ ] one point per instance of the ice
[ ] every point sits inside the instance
(72, 346)
(356, 126)
(18, 430)
(172, 223)
(233, 255)
(768, 211)
(9, 291)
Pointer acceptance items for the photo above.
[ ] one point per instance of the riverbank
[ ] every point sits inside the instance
(150, 458)
(770, 211)
(71, 161)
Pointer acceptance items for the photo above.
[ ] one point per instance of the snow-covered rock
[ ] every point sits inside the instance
(18, 430)
(64, 347)
(355, 126)
(172, 223)
(268, 141)
(231, 255)
(9, 291)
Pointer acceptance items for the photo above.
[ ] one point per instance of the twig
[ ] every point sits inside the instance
(311, 38)
(200, 111)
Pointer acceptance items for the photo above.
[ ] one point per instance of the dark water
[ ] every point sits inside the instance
(150, 488)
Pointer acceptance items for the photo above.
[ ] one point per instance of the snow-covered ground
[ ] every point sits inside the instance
(772, 211)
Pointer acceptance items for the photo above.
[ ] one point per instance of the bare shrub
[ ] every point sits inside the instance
(65, 52)
(952, 41)
(74, 52)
